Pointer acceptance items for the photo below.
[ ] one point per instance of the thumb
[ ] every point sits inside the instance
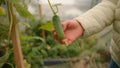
(67, 42)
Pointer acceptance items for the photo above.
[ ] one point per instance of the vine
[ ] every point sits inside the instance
(20, 7)
(53, 10)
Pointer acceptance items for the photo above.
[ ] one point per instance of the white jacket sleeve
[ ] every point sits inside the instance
(97, 18)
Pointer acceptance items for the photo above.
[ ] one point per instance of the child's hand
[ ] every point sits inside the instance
(72, 30)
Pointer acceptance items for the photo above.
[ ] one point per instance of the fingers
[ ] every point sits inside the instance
(67, 42)
(65, 25)
(56, 37)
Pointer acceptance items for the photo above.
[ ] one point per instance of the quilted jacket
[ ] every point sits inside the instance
(102, 15)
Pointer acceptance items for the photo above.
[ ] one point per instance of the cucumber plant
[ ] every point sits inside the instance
(56, 21)
(12, 7)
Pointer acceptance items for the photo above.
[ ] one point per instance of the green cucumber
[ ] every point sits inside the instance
(58, 26)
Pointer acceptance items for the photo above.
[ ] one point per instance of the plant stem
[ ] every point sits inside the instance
(51, 7)
(10, 20)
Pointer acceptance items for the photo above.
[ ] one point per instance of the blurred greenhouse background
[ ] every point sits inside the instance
(40, 49)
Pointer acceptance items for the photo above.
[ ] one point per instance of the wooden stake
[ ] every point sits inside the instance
(41, 16)
(15, 36)
(17, 48)
(40, 11)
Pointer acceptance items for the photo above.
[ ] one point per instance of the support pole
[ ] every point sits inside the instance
(15, 36)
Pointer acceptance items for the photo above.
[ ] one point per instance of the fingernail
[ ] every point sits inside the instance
(66, 42)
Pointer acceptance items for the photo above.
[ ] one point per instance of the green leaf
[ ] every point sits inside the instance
(39, 38)
(48, 26)
(27, 38)
(15, 1)
(26, 24)
(22, 11)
